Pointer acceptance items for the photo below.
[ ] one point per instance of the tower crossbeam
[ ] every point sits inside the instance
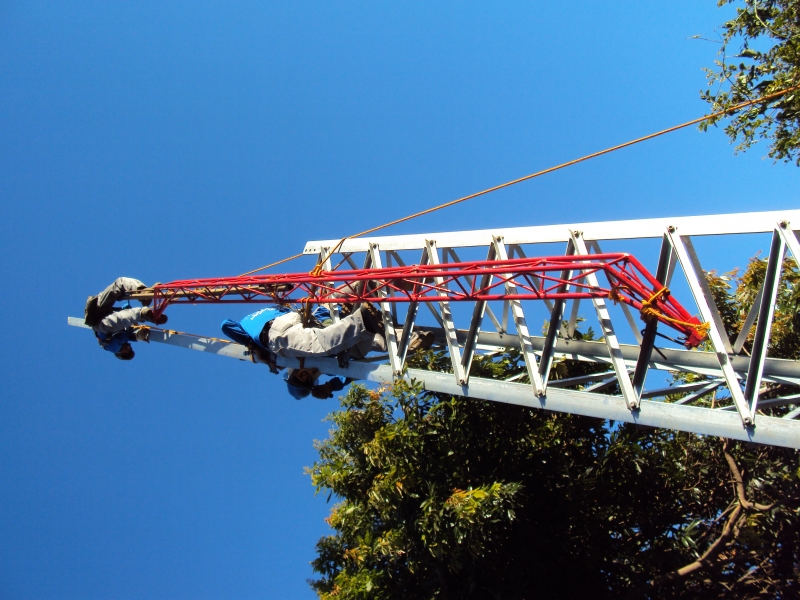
(541, 278)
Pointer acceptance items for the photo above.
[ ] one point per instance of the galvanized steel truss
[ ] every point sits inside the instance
(726, 366)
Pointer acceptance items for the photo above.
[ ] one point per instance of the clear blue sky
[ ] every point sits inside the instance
(190, 139)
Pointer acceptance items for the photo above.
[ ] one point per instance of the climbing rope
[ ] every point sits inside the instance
(275, 264)
(318, 268)
(649, 311)
(614, 294)
(305, 310)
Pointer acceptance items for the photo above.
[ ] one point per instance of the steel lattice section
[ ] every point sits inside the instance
(442, 277)
(538, 278)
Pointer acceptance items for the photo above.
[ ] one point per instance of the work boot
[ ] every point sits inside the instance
(149, 316)
(420, 341)
(372, 317)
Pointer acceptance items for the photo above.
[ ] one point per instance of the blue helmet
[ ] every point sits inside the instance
(296, 392)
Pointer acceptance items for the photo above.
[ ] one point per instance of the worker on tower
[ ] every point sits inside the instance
(279, 331)
(252, 332)
(113, 325)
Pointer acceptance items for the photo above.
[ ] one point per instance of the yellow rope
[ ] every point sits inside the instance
(272, 265)
(315, 272)
(614, 294)
(649, 312)
(305, 307)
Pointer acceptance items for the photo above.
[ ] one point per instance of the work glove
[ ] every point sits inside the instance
(337, 385)
(323, 392)
(143, 334)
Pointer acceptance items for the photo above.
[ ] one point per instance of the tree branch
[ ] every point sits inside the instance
(729, 532)
(739, 483)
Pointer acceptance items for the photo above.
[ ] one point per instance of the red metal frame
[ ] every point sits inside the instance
(535, 278)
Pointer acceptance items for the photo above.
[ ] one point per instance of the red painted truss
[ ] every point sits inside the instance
(543, 278)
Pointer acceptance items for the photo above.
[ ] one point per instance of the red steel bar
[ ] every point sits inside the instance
(536, 278)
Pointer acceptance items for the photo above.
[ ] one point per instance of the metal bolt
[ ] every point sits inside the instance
(671, 228)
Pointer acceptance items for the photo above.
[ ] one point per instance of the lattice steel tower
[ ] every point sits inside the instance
(486, 303)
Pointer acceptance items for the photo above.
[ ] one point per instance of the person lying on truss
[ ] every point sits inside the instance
(114, 325)
(279, 331)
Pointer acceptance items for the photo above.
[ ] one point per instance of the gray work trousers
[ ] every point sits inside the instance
(117, 289)
(360, 350)
(121, 319)
(287, 337)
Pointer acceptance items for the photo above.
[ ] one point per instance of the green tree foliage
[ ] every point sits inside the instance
(449, 497)
(766, 35)
(735, 295)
